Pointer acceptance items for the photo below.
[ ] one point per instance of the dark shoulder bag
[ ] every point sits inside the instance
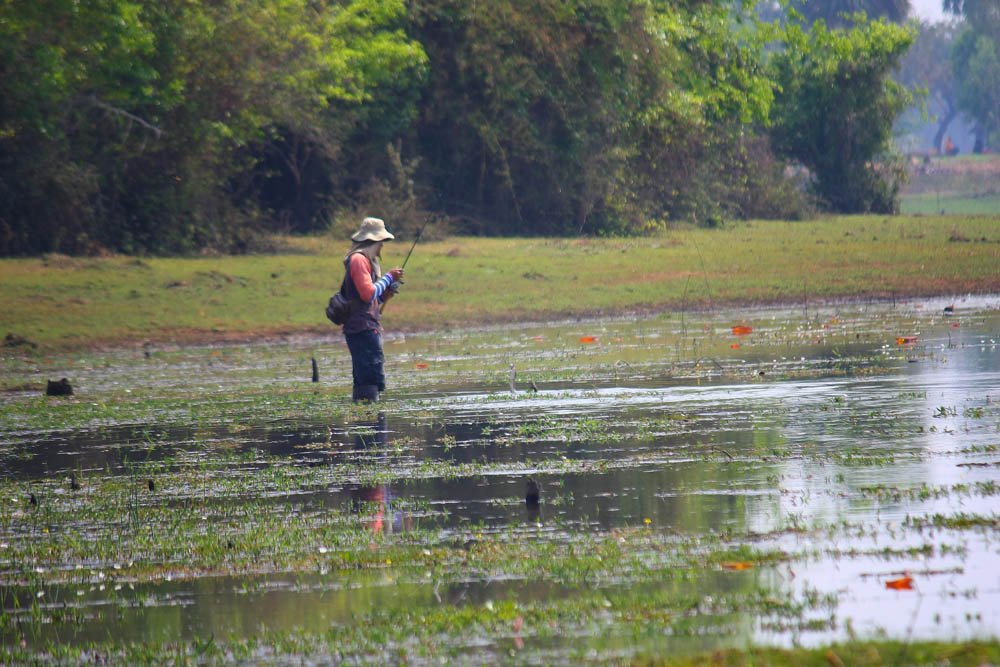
(341, 306)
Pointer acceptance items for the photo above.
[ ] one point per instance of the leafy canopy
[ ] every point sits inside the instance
(836, 106)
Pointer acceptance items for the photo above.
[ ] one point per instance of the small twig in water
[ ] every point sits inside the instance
(720, 449)
(909, 630)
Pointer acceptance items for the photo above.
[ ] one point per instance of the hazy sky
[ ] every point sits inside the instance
(928, 10)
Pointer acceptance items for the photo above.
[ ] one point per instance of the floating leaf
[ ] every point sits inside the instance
(906, 340)
(734, 346)
(421, 367)
(742, 330)
(902, 584)
(737, 565)
(588, 339)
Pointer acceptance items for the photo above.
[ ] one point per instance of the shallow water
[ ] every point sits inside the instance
(823, 433)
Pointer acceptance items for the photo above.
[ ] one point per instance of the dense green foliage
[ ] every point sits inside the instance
(975, 65)
(836, 110)
(182, 126)
(149, 126)
(840, 13)
(580, 117)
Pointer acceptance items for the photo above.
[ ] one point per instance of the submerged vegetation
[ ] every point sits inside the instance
(754, 486)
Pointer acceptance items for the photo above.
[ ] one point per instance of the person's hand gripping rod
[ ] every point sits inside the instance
(394, 287)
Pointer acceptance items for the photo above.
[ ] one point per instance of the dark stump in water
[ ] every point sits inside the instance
(60, 388)
(532, 493)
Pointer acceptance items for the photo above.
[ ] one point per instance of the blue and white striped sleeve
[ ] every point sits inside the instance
(381, 285)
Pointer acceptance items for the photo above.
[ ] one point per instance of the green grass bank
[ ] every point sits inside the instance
(64, 302)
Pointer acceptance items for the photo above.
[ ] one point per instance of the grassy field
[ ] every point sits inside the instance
(932, 203)
(965, 185)
(63, 302)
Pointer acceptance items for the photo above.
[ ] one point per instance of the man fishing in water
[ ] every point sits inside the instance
(369, 290)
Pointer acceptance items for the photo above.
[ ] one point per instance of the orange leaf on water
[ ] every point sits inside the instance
(906, 340)
(902, 584)
(734, 346)
(421, 367)
(738, 565)
(588, 339)
(742, 329)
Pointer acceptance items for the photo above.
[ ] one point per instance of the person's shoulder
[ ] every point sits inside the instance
(359, 259)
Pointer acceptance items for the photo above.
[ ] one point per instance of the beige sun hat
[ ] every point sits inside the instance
(372, 229)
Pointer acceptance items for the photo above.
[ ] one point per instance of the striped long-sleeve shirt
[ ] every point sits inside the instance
(361, 274)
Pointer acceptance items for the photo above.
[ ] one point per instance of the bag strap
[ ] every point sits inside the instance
(356, 296)
(343, 283)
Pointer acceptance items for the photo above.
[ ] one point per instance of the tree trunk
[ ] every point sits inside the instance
(943, 128)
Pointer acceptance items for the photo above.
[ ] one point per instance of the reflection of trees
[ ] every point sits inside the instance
(102, 448)
(243, 606)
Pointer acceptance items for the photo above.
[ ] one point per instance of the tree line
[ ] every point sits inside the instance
(957, 64)
(192, 125)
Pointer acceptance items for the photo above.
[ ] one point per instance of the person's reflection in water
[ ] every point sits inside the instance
(373, 501)
(376, 500)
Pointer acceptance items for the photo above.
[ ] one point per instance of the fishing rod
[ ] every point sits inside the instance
(395, 285)
(415, 239)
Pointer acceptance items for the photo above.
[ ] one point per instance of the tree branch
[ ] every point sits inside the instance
(94, 100)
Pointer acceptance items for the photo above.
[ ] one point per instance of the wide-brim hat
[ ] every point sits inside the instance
(372, 229)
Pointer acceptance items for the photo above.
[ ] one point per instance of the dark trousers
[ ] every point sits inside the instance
(367, 363)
